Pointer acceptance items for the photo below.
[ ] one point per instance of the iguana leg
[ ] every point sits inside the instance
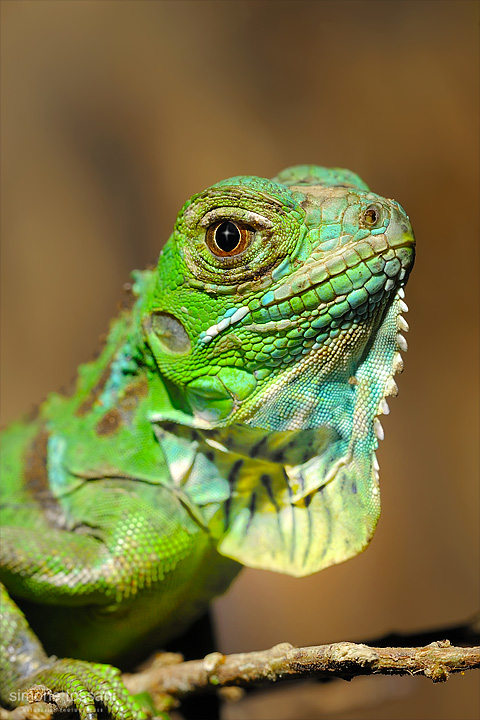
(121, 544)
(24, 663)
(138, 545)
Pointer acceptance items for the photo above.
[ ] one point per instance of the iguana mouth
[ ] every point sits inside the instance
(376, 257)
(346, 286)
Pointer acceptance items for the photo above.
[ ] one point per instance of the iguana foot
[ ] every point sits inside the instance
(87, 684)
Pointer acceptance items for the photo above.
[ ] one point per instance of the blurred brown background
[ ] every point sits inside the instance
(113, 113)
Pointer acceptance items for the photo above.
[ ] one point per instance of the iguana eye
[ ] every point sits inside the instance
(372, 216)
(227, 238)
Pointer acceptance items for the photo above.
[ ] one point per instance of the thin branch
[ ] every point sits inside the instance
(167, 677)
(285, 662)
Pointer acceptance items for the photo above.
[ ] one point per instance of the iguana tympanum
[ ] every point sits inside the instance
(231, 419)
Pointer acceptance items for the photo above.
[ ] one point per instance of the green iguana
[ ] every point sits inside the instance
(231, 419)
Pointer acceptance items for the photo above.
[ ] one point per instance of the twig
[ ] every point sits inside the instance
(167, 677)
(285, 662)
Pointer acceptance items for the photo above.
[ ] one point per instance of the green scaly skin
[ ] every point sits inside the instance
(231, 419)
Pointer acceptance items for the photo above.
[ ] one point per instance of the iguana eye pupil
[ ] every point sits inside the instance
(227, 239)
(372, 216)
(227, 236)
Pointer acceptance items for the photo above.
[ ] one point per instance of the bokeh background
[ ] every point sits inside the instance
(114, 113)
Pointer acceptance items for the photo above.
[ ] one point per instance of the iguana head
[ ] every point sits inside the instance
(276, 317)
(266, 281)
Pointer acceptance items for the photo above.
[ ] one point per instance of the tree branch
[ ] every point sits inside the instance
(284, 662)
(167, 678)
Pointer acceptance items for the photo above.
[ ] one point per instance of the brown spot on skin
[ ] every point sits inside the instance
(36, 473)
(94, 393)
(127, 406)
(109, 423)
(133, 394)
(36, 477)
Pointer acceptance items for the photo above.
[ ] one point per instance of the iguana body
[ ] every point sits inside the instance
(230, 418)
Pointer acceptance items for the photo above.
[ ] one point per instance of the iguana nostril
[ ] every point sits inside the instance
(372, 216)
